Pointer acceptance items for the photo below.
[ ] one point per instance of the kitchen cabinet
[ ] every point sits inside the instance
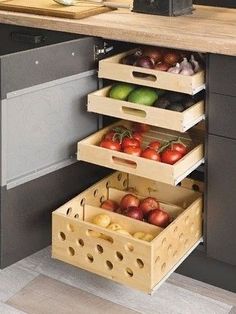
(206, 263)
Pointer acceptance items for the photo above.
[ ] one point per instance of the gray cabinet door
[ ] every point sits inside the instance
(221, 199)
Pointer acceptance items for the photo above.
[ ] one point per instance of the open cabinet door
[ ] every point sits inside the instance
(45, 78)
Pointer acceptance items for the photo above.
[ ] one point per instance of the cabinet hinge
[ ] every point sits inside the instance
(102, 50)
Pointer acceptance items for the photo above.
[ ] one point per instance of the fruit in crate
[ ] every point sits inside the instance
(110, 205)
(102, 220)
(150, 153)
(144, 96)
(159, 217)
(111, 144)
(148, 204)
(148, 237)
(134, 212)
(129, 200)
(121, 91)
(123, 231)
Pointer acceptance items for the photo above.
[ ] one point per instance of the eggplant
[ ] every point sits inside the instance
(176, 107)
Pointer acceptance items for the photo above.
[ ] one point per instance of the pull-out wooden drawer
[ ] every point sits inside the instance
(112, 69)
(118, 256)
(90, 151)
(99, 102)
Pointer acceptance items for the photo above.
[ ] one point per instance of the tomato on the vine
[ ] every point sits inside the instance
(130, 142)
(170, 156)
(155, 145)
(150, 153)
(135, 151)
(110, 144)
(179, 147)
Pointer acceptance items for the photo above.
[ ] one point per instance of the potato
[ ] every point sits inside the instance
(139, 235)
(148, 237)
(114, 227)
(122, 231)
(102, 220)
(94, 234)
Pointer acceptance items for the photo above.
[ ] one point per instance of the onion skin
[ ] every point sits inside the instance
(159, 217)
(162, 67)
(171, 58)
(110, 205)
(144, 62)
(129, 200)
(154, 53)
(134, 212)
(148, 204)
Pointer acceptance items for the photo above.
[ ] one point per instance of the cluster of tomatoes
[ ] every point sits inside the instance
(130, 142)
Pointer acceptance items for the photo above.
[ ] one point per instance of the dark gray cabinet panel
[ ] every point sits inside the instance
(221, 199)
(25, 220)
(222, 74)
(220, 3)
(222, 114)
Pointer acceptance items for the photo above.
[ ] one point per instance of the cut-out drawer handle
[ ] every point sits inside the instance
(144, 76)
(134, 112)
(124, 162)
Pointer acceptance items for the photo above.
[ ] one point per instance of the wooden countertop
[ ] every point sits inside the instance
(208, 29)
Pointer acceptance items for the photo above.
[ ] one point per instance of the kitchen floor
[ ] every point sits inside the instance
(41, 285)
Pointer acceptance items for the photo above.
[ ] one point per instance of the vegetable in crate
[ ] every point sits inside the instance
(110, 205)
(148, 204)
(143, 96)
(121, 91)
(159, 218)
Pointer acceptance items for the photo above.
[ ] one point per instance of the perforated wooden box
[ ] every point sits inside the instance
(119, 257)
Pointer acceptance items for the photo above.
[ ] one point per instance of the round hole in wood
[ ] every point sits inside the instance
(102, 199)
(71, 251)
(163, 267)
(157, 259)
(95, 193)
(119, 256)
(90, 258)
(175, 254)
(129, 272)
(69, 211)
(70, 227)
(164, 241)
(196, 188)
(129, 247)
(109, 265)
(119, 176)
(187, 220)
(181, 237)
(125, 183)
(82, 202)
(76, 216)
(99, 249)
(80, 242)
(140, 263)
(108, 184)
(170, 249)
(62, 236)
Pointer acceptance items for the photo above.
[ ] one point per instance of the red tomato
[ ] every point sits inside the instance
(141, 127)
(109, 144)
(150, 153)
(138, 136)
(110, 135)
(135, 151)
(170, 156)
(179, 147)
(155, 145)
(130, 142)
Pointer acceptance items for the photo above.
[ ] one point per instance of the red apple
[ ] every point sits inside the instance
(159, 218)
(134, 212)
(110, 205)
(148, 204)
(129, 200)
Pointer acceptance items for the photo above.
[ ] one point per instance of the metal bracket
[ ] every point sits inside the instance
(100, 51)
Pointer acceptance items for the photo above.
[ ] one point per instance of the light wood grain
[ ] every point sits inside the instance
(208, 29)
(50, 8)
(46, 296)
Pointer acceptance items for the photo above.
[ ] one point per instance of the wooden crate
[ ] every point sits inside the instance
(111, 68)
(179, 121)
(122, 258)
(89, 151)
